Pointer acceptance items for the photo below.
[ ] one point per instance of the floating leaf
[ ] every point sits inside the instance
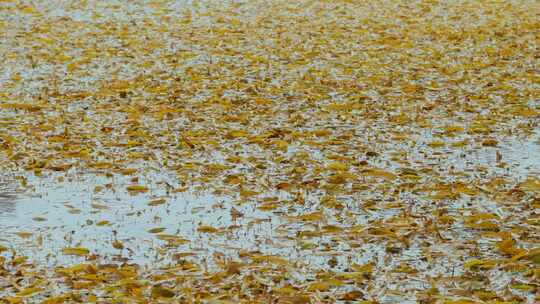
(162, 292)
(137, 188)
(207, 229)
(531, 184)
(476, 264)
(379, 173)
(24, 234)
(79, 251)
(28, 291)
(157, 202)
(336, 166)
(156, 230)
(118, 245)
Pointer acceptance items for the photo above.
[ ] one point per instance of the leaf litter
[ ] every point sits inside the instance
(269, 152)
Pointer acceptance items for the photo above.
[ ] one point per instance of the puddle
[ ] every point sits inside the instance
(262, 129)
(71, 213)
(7, 204)
(93, 211)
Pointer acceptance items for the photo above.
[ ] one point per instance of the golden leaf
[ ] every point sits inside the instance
(78, 251)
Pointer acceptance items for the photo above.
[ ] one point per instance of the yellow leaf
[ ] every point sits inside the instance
(13, 300)
(319, 286)
(281, 144)
(19, 260)
(524, 287)
(137, 188)
(58, 299)
(379, 173)
(476, 264)
(508, 247)
(531, 184)
(118, 245)
(236, 134)
(483, 225)
(453, 129)
(21, 106)
(337, 166)
(99, 206)
(156, 230)
(489, 142)
(284, 290)
(162, 292)
(351, 296)
(366, 268)
(75, 269)
(79, 251)
(444, 194)
(157, 202)
(101, 165)
(459, 144)
(172, 240)
(268, 206)
(311, 217)
(23, 234)
(258, 258)
(436, 144)
(28, 291)
(128, 171)
(207, 229)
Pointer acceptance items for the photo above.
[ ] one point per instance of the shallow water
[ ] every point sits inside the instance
(332, 135)
(69, 213)
(61, 211)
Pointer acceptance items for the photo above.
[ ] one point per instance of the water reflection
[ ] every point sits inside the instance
(7, 204)
(93, 210)
(81, 210)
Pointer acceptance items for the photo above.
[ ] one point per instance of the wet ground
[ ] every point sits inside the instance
(95, 211)
(80, 209)
(269, 152)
